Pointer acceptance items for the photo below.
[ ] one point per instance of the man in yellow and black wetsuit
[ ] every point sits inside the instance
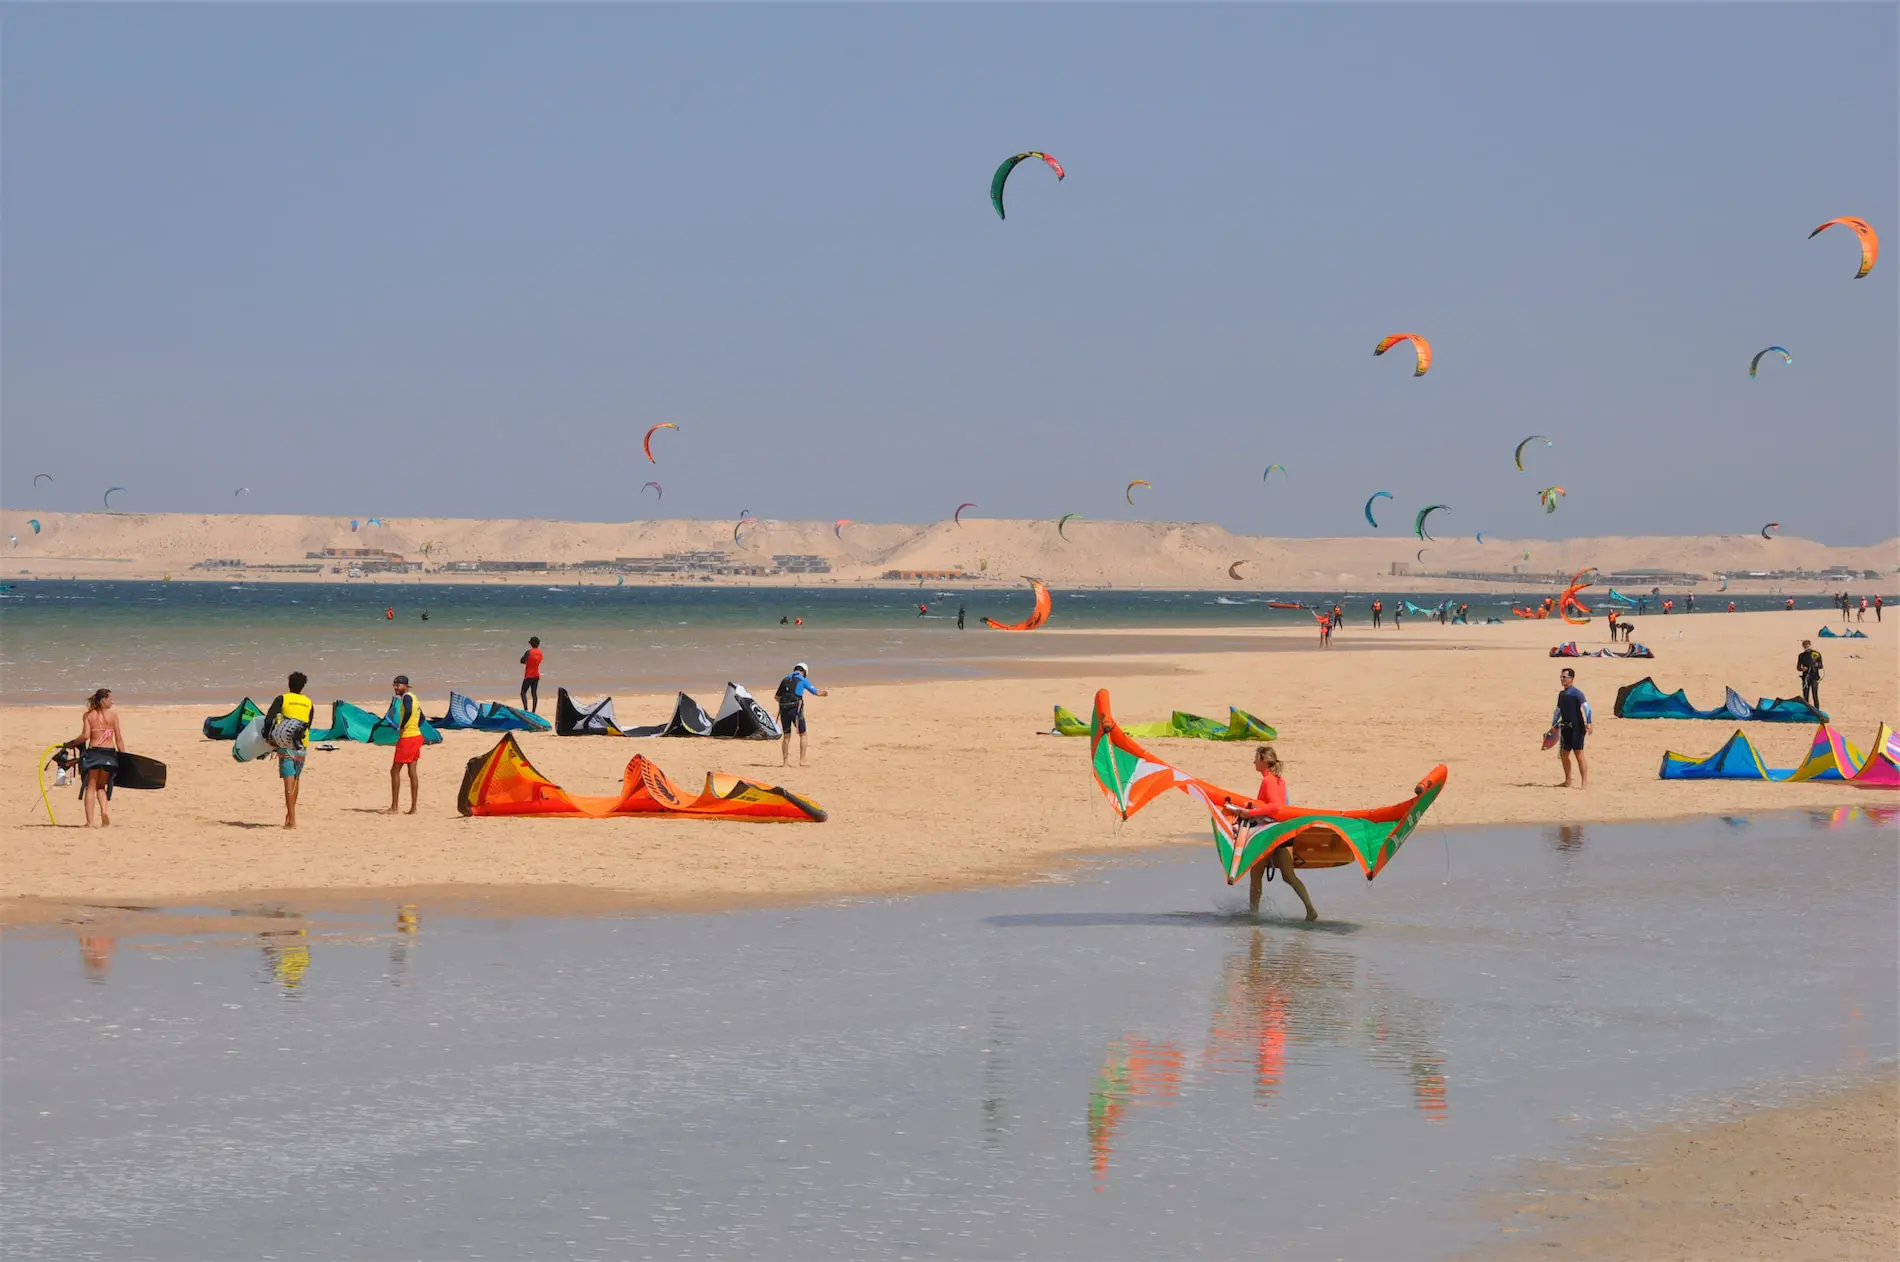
(293, 712)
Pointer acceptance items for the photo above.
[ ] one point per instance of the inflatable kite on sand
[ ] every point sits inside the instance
(1831, 756)
(1180, 725)
(1131, 778)
(503, 782)
(1037, 616)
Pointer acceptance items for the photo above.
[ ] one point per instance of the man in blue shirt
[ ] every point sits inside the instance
(1572, 721)
(792, 691)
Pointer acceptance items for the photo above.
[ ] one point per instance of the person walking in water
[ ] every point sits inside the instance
(959, 615)
(1266, 760)
(406, 717)
(531, 676)
(1572, 721)
(101, 739)
(792, 691)
(1807, 664)
(287, 727)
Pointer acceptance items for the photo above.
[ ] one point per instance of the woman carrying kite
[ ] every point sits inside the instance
(1266, 760)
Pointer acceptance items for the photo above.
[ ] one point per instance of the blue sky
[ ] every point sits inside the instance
(454, 260)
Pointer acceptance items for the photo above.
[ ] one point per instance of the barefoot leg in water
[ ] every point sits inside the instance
(1283, 860)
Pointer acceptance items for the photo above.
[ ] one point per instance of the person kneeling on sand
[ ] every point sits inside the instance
(1266, 760)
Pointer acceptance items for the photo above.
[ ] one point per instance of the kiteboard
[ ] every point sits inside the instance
(251, 743)
(1550, 737)
(139, 772)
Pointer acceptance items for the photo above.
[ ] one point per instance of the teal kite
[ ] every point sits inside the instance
(1009, 164)
(1370, 521)
(1418, 522)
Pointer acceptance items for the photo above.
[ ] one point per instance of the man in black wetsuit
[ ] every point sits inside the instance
(1808, 666)
(1572, 720)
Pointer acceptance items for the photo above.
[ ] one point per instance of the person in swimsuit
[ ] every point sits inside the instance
(102, 737)
(1266, 760)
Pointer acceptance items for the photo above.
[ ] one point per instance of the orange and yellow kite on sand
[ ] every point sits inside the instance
(503, 782)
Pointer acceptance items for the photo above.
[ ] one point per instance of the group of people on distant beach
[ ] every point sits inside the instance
(1857, 613)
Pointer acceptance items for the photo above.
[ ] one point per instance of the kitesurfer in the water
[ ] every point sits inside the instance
(1266, 760)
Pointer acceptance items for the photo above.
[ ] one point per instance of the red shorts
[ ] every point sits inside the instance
(408, 749)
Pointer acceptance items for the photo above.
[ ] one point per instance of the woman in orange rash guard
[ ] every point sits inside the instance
(1273, 792)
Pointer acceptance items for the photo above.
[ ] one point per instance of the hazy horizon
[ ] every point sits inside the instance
(454, 261)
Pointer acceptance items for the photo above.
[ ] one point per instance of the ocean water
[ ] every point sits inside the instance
(1121, 1064)
(214, 642)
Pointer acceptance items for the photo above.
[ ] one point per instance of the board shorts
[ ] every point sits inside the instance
(290, 766)
(791, 718)
(1570, 739)
(408, 750)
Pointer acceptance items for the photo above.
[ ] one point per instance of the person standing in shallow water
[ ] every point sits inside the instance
(1266, 760)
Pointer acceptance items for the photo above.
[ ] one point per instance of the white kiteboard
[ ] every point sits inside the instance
(251, 743)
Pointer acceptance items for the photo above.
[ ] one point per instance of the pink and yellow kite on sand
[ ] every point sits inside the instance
(1247, 831)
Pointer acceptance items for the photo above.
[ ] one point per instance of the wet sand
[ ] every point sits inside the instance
(942, 784)
(1813, 1181)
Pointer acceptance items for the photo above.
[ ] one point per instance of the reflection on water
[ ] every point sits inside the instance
(1567, 838)
(1281, 997)
(95, 956)
(1842, 816)
(408, 925)
(286, 957)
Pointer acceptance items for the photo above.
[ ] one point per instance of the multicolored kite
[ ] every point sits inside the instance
(741, 524)
(659, 492)
(1270, 468)
(957, 516)
(1418, 522)
(646, 444)
(1548, 497)
(1869, 241)
(1420, 346)
(1063, 522)
(1247, 831)
(1773, 525)
(837, 530)
(1009, 164)
(1129, 493)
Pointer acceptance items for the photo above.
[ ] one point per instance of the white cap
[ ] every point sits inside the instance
(802, 669)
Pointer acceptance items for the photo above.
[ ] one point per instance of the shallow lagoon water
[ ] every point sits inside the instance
(1119, 1064)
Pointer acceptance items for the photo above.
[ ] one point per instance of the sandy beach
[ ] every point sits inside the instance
(946, 783)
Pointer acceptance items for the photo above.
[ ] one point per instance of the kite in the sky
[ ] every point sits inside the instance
(1421, 554)
(1548, 497)
(1481, 536)
(375, 521)
(1370, 520)
(1869, 241)
(957, 516)
(837, 530)
(1062, 524)
(1755, 363)
(741, 524)
(38, 476)
(242, 490)
(35, 523)
(1773, 525)
(1129, 493)
(1233, 571)
(1421, 347)
(659, 492)
(107, 498)
(1418, 522)
(1271, 468)
(646, 444)
(1518, 455)
(1009, 164)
